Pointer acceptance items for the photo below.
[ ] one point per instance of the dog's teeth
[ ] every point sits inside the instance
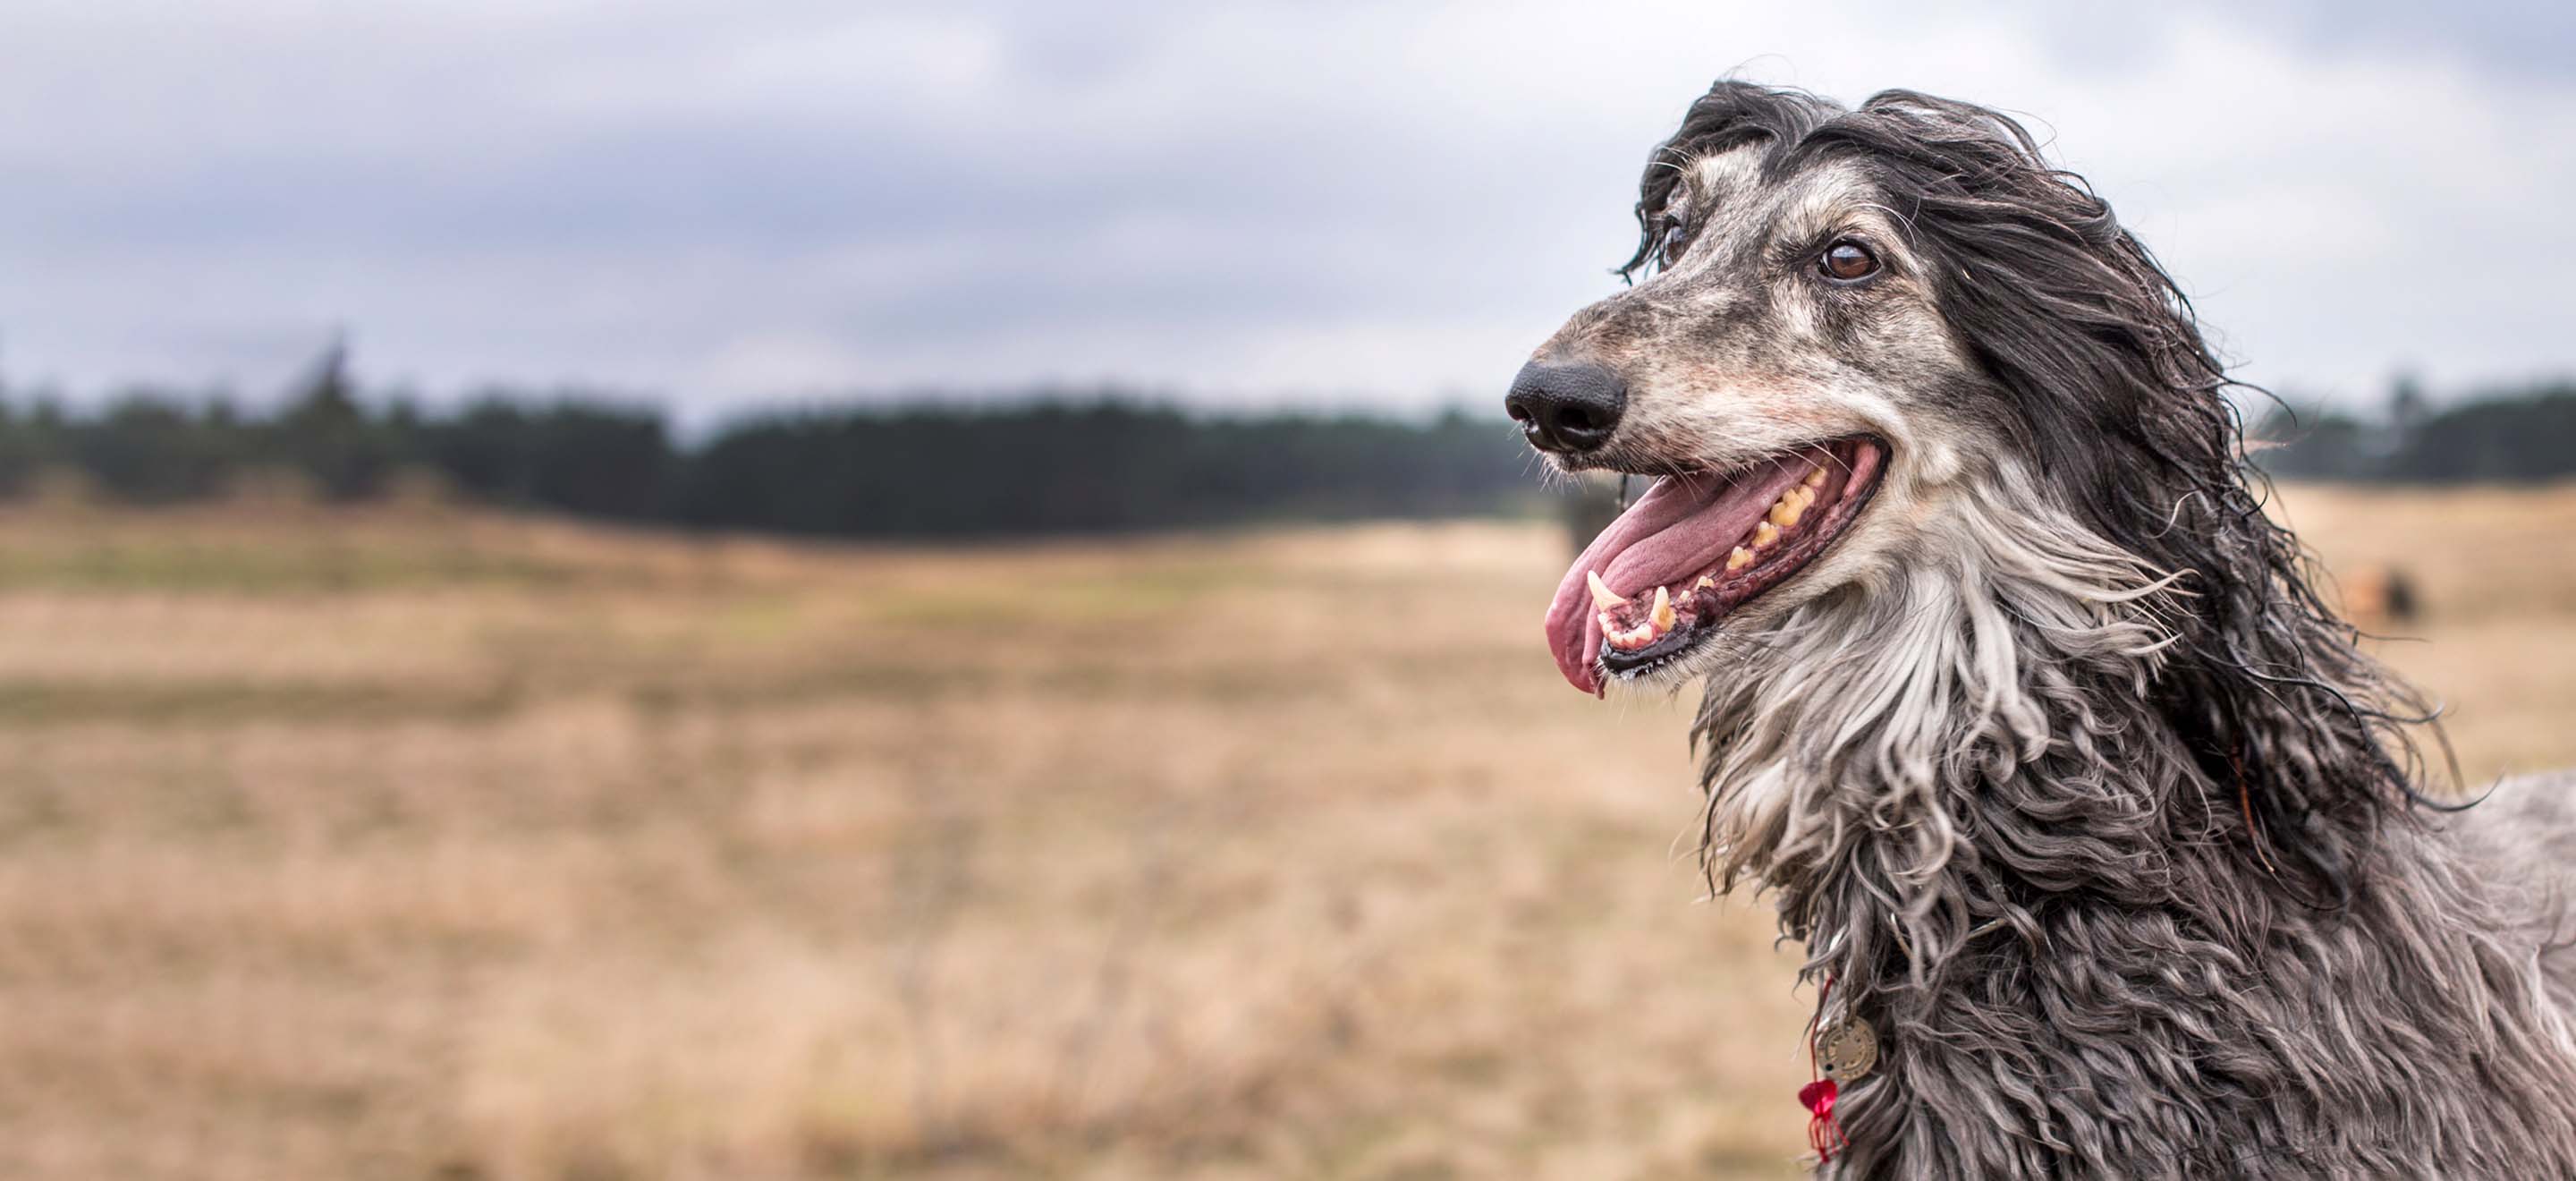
(1708, 583)
(1792, 505)
(1739, 559)
(1662, 616)
(1816, 477)
(1765, 535)
(1608, 625)
(1601, 596)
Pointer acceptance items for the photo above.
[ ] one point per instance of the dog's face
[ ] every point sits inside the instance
(1941, 454)
(1787, 369)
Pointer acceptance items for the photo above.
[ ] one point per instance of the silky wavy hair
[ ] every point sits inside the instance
(2104, 389)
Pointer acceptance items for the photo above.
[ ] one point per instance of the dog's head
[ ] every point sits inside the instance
(1946, 471)
(1842, 321)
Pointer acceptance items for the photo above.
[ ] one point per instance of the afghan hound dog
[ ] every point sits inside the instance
(2111, 853)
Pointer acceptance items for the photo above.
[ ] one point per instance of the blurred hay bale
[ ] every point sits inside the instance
(2380, 595)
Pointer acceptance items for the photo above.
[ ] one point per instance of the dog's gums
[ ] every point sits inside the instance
(1659, 579)
(1707, 596)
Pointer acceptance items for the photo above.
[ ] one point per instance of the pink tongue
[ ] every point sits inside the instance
(1680, 527)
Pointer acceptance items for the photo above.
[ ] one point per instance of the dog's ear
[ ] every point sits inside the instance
(2100, 376)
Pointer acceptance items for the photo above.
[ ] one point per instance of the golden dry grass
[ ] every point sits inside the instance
(416, 844)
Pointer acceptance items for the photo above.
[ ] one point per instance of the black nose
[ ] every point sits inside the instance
(1566, 408)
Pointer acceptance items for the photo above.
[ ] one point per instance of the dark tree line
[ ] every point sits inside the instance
(1089, 467)
(1070, 463)
(2515, 436)
(1093, 463)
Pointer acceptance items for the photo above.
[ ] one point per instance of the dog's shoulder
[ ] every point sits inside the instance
(2523, 820)
(2519, 840)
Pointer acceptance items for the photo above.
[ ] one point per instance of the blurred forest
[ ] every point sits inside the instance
(1080, 462)
(1068, 462)
(2511, 435)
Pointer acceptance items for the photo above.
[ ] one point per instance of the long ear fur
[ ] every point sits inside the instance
(2119, 402)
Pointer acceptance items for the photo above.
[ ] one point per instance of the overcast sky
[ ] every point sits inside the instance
(729, 204)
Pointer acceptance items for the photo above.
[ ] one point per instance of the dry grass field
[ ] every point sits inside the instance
(423, 844)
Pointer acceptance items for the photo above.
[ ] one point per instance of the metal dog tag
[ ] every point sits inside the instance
(1846, 1050)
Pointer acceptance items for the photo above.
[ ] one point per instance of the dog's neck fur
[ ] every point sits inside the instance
(2077, 960)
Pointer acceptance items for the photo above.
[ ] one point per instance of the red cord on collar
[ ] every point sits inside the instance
(1824, 1132)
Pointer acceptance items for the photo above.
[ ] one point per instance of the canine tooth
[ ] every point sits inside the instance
(1662, 617)
(1601, 596)
(1739, 559)
(1815, 478)
(1764, 534)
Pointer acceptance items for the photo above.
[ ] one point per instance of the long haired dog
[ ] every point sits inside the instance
(2097, 828)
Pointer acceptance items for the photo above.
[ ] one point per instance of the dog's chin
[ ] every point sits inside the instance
(1704, 557)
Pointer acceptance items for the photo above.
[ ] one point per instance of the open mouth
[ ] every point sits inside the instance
(1656, 583)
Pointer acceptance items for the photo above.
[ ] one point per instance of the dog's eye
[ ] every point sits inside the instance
(1847, 262)
(1676, 235)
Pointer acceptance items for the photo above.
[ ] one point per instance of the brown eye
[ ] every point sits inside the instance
(1848, 262)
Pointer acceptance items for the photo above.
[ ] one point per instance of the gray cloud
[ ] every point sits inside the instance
(722, 204)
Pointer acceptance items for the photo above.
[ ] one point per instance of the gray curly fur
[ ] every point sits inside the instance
(2080, 796)
(2076, 964)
